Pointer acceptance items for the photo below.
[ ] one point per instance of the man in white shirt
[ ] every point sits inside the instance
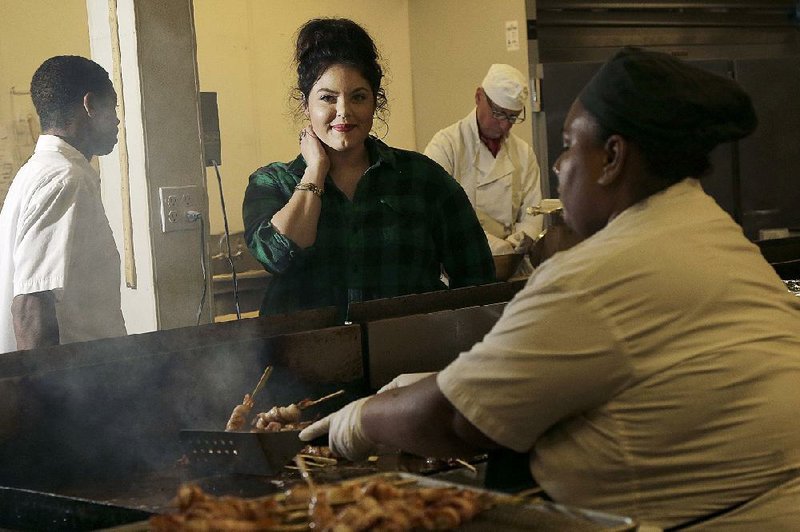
(496, 169)
(59, 265)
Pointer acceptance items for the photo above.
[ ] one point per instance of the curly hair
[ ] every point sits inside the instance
(60, 83)
(324, 42)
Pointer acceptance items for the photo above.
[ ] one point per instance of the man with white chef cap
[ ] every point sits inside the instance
(497, 169)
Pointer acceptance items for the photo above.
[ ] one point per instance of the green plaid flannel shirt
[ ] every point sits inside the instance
(408, 219)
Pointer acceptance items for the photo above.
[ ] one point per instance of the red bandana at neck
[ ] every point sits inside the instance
(492, 144)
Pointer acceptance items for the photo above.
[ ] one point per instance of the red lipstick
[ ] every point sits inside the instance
(343, 128)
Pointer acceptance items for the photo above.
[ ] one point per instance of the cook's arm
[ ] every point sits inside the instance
(532, 196)
(419, 419)
(35, 322)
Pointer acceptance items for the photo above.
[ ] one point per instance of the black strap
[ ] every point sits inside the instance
(702, 519)
(709, 517)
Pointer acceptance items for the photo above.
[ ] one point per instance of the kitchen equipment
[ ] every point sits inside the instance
(505, 265)
(424, 342)
(426, 303)
(793, 286)
(249, 453)
(22, 509)
(546, 206)
(125, 450)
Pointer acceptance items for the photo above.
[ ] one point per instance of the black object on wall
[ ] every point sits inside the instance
(209, 116)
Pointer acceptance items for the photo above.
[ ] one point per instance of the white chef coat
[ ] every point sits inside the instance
(652, 370)
(499, 187)
(54, 236)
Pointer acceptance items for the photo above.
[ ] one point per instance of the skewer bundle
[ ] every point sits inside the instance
(278, 418)
(362, 504)
(238, 418)
(288, 417)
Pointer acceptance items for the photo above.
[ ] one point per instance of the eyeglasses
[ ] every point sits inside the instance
(502, 115)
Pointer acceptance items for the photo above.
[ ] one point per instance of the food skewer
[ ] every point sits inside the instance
(319, 459)
(305, 474)
(467, 465)
(240, 412)
(262, 381)
(348, 505)
(306, 403)
(277, 416)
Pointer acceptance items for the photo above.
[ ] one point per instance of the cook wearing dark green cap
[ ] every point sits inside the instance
(652, 370)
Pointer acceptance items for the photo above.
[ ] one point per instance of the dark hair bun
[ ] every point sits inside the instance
(324, 42)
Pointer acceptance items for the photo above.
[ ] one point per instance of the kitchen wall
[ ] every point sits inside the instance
(244, 51)
(30, 32)
(453, 43)
(436, 53)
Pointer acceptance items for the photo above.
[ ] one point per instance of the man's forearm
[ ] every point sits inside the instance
(35, 322)
(419, 419)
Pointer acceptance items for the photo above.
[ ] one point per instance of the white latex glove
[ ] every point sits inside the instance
(498, 246)
(520, 241)
(345, 434)
(405, 379)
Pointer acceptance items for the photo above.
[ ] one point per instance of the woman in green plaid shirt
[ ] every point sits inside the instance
(351, 218)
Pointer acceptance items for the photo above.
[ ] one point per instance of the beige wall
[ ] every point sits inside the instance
(244, 50)
(453, 43)
(30, 32)
(435, 52)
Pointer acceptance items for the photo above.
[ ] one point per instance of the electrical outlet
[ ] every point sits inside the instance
(512, 35)
(175, 203)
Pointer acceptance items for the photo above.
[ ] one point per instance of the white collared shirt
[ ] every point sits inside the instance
(54, 236)
(502, 187)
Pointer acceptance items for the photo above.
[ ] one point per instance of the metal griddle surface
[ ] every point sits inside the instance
(22, 509)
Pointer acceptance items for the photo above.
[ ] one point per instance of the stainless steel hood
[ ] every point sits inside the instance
(755, 42)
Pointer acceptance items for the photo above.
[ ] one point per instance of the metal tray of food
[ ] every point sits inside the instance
(542, 516)
(248, 453)
(506, 514)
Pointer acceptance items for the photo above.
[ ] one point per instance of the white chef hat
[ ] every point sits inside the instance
(506, 86)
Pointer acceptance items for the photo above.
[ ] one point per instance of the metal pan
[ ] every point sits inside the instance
(22, 509)
(247, 453)
(538, 515)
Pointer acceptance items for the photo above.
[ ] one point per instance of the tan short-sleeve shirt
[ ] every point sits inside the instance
(653, 370)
